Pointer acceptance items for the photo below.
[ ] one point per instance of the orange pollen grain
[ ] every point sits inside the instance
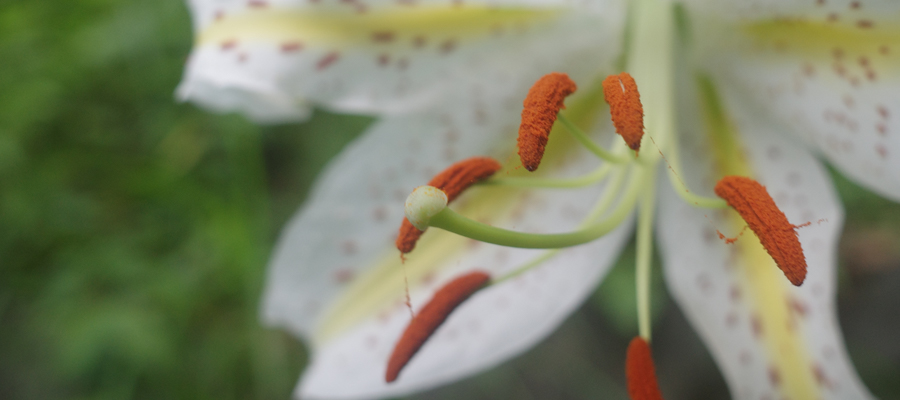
(640, 372)
(435, 312)
(777, 235)
(453, 181)
(542, 104)
(625, 108)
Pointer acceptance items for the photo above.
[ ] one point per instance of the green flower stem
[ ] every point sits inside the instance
(593, 147)
(591, 178)
(599, 209)
(677, 181)
(645, 255)
(449, 220)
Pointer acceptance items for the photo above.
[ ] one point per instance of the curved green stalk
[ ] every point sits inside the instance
(599, 209)
(675, 179)
(582, 138)
(449, 220)
(591, 178)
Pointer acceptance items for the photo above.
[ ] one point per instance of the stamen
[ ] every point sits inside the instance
(625, 107)
(542, 104)
(423, 325)
(453, 181)
(640, 373)
(777, 235)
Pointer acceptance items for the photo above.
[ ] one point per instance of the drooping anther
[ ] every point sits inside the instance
(435, 312)
(777, 235)
(625, 108)
(452, 181)
(640, 372)
(542, 104)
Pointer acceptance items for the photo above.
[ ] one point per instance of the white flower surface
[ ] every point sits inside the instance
(791, 80)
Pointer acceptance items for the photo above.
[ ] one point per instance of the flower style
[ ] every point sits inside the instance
(721, 81)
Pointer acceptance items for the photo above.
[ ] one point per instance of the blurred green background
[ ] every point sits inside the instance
(134, 234)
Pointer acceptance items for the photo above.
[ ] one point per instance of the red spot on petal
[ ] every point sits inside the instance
(735, 294)
(327, 60)
(257, 4)
(864, 24)
(774, 376)
(447, 46)
(343, 276)
(228, 44)
(881, 150)
(349, 247)
(798, 307)
(821, 378)
(756, 326)
(383, 59)
(291, 47)
(383, 37)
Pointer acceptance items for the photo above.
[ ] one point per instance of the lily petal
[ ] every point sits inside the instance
(770, 339)
(336, 279)
(274, 59)
(849, 12)
(834, 85)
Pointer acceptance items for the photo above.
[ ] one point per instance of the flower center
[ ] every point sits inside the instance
(630, 185)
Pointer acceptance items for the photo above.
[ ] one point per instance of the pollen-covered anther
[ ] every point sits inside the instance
(777, 235)
(625, 108)
(435, 312)
(452, 182)
(640, 372)
(541, 106)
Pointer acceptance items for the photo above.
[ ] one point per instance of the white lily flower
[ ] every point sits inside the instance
(778, 80)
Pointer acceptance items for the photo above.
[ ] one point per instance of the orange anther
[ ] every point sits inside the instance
(435, 312)
(625, 108)
(640, 372)
(453, 181)
(542, 104)
(777, 235)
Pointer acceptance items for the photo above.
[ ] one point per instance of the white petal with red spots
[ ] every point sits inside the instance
(492, 326)
(701, 273)
(845, 12)
(273, 62)
(835, 87)
(350, 222)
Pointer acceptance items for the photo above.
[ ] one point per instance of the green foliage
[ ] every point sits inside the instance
(135, 230)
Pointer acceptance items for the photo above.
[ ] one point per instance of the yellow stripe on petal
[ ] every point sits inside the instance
(382, 286)
(873, 46)
(406, 26)
(789, 359)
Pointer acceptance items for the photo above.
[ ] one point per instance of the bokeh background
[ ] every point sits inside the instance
(134, 235)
